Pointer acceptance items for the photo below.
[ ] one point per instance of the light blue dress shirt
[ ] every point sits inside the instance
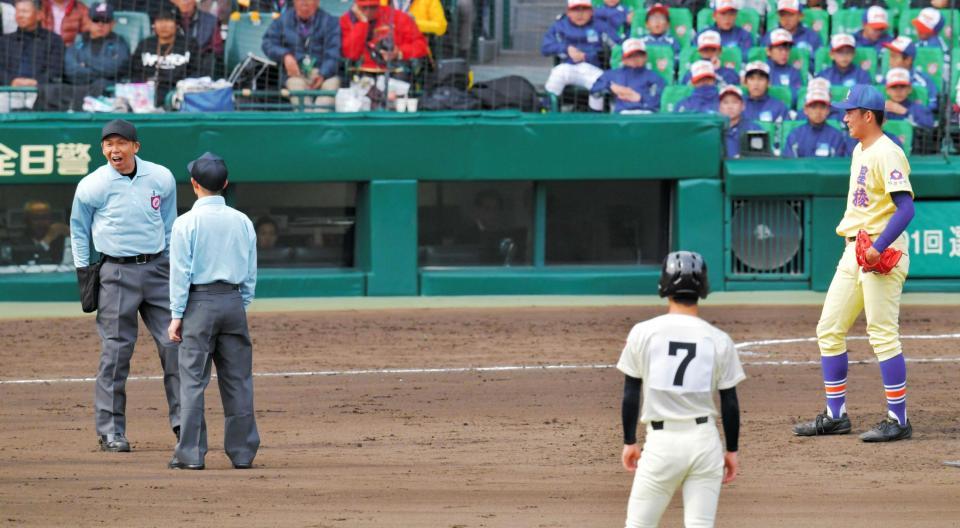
(125, 217)
(211, 242)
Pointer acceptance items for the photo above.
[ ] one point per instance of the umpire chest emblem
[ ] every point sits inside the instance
(155, 201)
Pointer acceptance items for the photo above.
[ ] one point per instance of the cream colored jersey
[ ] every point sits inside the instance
(682, 361)
(874, 174)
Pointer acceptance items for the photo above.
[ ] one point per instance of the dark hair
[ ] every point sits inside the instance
(754, 73)
(685, 300)
(265, 220)
(878, 115)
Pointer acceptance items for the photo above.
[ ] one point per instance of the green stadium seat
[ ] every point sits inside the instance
(816, 19)
(337, 7)
(659, 59)
(919, 94)
(788, 126)
(779, 92)
(904, 132)
(837, 124)
(244, 36)
(729, 57)
(747, 18)
(132, 26)
(673, 95)
(681, 26)
(905, 26)
(848, 20)
(928, 60)
(863, 56)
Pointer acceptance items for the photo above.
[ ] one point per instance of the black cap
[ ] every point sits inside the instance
(165, 12)
(209, 170)
(119, 127)
(101, 12)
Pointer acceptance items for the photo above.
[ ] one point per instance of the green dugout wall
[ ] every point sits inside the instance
(388, 158)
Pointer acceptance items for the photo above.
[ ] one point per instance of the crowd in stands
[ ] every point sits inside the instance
(647, 58)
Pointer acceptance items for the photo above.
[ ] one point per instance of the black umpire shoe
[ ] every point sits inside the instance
(823, 425)
(889, 430)
(176, 464)
(176, 432)
(243, 466)
(115, 443)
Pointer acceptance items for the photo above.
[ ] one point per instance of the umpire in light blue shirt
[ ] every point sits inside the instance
(127, 208)
(213, 273)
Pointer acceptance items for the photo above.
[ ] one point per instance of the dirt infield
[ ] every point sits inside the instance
(532, 448)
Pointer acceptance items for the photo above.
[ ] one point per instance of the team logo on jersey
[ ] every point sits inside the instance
(155, 201)
(896, 175)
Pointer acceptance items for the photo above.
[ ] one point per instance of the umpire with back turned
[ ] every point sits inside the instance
(127, 208)
(213, 274)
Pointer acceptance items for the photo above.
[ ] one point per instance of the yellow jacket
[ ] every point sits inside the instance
(429, 16)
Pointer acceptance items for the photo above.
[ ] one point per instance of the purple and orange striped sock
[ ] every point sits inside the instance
(835, 383)
(894, 373)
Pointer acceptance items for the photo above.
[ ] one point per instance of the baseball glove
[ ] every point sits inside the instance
(888, 259)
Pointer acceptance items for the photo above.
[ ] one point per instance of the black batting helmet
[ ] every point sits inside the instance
(684, 273)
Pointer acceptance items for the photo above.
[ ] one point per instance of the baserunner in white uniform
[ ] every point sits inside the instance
(678, 361)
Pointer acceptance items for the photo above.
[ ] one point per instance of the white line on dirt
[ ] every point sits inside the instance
(515, 368)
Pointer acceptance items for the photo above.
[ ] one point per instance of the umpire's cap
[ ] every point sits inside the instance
(119, 127)
(684, 274)
(209, 170)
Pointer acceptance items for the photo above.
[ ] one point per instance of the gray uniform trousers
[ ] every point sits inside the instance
(215, 330)
(125, 290)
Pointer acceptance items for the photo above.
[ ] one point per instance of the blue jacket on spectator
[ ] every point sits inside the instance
(32, 55)
(862, 41)
(809, 141)
(662, 40)
(89, 60)
(644, 81)
(732, 134)
(933, 42)
(588, 38)
(765, 109)
(614, 18)
(727, 75)
(704, 99)
(854, 74)
(785, 75)
(803, 38)
(737, 37)
(919, 78)
(323, 42)
(917, 114)
(852, 142)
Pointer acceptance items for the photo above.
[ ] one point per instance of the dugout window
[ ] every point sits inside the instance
(607, 222)
(475, 223)
(35, 228)
(300, 225)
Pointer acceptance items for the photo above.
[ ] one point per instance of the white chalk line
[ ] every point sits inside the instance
(516, 368)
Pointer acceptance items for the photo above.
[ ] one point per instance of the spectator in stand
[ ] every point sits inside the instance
(31, 55)
(204, 29)
(731, 35)
(902, 53)
(708, 46)
(428, 14)
(830, 6)
(635, 87)
(380, 35)
(898, 107)
(815, 138)
(823, 85)
(705, 97)
(929, 23)
(615, 16)
(693, 5)
(165, 57)
(658, 29)
(782, 73)
(874, 33)
(43, 242)
(577, 40)
(66, 18)
(791, 19)
(306, 42)
(99, 57)
(731, 106)
(843, 72)
(759, 106)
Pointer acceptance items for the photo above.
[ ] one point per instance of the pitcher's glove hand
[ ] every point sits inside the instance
(887, 261)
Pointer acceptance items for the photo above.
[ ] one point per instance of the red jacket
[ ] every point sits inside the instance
(406, 36)
(77, 20)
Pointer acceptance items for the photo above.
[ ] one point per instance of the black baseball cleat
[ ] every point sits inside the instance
(114, 443)
(888, 430)
(176, 464)
(823, 425)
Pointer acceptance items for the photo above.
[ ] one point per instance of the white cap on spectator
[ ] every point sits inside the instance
(817, 96)
(708, 39)
(725, 5)
(757, 66)
(780, 36)
(571, 4)
(701, 70)
(792, 6)
(818, 83)
(731, 89)
(842, 40)
(632, 46)
(930, 18)
(898, 77)
(876, 17)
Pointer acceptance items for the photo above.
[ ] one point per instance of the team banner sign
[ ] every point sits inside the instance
(934, 236)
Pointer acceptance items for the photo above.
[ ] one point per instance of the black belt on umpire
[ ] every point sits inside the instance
(657, 426)
(135, 259)
(218, 286)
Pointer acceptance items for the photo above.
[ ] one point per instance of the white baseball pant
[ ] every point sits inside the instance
(583, 74)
